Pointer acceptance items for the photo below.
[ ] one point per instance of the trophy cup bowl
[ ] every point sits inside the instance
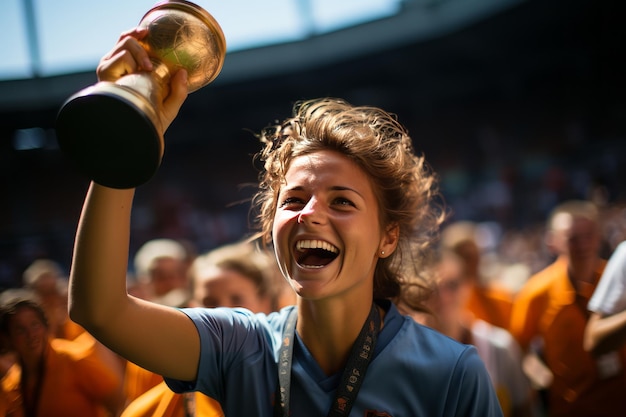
(111, 131)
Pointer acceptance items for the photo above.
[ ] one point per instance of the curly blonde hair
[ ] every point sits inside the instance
(405, 186)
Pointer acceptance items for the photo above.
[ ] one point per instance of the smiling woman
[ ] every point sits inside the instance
(346, 204)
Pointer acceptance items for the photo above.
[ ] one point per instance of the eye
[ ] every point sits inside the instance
(290, 202)
(342, 201)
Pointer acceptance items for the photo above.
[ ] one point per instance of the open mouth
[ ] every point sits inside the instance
(315, 253)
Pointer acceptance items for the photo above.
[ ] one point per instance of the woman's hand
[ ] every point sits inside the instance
(129, 57)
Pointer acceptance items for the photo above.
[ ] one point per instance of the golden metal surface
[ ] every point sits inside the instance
(183, 35)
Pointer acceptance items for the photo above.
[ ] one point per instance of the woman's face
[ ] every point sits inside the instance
(27, 334)
(217, 287)
(326, 232)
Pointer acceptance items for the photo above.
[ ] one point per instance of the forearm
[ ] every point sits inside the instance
(99, 266)
(605, 334)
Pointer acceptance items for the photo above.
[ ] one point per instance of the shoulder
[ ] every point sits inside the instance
(620, 250)
(541, 283)
(431, 345)
(237, 317)
(238, 325)
(616, 264)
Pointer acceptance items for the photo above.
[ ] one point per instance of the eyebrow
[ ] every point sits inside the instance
(333, 188)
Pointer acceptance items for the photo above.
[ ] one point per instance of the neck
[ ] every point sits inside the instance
(582, 271)
(329, 329)
(31, 365)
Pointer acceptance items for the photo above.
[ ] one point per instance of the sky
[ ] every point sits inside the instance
(72, 35)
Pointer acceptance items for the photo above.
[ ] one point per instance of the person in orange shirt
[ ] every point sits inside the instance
(486, 301)
(234, 275)
(45, 278)
(550, 314)
(52, 377)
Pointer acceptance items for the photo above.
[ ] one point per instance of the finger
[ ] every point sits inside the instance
(133, 46)
(117, 66)
(138, 32)
(176, 97)
(127, 57)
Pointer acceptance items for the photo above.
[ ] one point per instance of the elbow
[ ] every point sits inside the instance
(593, 344)
(84, 316)
(589, 343)
(78, 315)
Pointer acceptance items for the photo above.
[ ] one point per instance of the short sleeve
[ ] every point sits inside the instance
(609, 296)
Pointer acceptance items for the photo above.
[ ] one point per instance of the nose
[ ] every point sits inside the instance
(312, 212)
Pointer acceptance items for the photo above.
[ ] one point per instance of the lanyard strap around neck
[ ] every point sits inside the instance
(353, 373)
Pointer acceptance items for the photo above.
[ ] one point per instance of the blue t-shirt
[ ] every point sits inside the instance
(415, 371)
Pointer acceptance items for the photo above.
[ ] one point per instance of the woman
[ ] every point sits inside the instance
(344, 201)
(52, 377)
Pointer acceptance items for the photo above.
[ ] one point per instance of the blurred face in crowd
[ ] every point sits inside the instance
(217, 287)
(167, 274)
(449, 299)
(27, 334)
(576, 237)
(470, 255)
(446, 304)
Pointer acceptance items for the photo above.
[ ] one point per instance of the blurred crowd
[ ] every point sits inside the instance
(50, 366)
(499, 269)
(519, 296)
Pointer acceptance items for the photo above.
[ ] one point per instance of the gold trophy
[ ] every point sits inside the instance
(111, 131)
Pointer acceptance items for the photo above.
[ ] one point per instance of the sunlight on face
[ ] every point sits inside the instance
(327, 232)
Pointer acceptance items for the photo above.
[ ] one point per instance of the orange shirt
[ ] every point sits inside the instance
(492, 305)
(547, 307)
(163, 402)
(76, 383)
(138, 380)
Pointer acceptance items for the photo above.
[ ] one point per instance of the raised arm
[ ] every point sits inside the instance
(158, 338)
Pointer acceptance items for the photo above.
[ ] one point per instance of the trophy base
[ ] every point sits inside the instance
(109, 137)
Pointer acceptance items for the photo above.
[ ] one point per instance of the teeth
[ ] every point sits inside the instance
(316, 244)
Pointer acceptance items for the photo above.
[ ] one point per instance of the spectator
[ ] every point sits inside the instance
(52, 377)
(161, 267)
(550, 314)
(45, 278)
(486, 301)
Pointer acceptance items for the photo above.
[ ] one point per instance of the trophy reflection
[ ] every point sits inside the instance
(111, 131)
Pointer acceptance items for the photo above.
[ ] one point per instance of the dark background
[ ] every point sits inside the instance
(516, 113)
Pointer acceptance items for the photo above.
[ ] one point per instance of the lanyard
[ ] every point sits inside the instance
(353, 373)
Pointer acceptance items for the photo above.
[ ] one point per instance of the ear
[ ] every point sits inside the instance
(389, 241)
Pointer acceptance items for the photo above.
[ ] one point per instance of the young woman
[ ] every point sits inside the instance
(52, 376)
(344, 201)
